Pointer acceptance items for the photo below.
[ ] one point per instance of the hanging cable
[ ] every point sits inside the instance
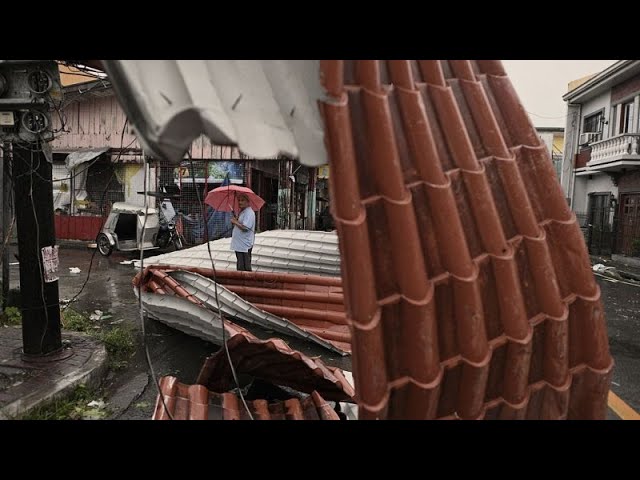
(215, 286)
(144, 334)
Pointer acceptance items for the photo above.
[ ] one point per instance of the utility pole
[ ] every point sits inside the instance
(7, 209)
(34, 214)
(28, 89)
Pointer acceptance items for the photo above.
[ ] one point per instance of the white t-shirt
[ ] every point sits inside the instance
(243, 241)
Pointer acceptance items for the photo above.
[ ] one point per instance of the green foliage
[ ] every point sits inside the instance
(72, 407)
(11, 316)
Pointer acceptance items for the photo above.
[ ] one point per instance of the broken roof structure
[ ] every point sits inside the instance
(274, 361)
(467, 283)
(304, 306)
(195, 402)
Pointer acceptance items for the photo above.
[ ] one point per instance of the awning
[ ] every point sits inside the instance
(81, 156)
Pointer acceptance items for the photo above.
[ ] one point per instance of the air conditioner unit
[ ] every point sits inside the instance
(589, 137)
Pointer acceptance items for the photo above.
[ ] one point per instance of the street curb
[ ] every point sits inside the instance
(80, 244)
(90, 374)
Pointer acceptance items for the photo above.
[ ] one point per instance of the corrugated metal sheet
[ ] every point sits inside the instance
(84, 155)
(303, 306)
(275, 362)
(266, 107)
(293, 251)
(195, 402)
(467, 282)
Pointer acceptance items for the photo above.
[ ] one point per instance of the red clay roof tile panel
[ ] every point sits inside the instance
(519, 125)
(293, 409)
(544, 278)
(229, 406)
(490, 67)
(473, 383)
(567, 250)
(469, 320)
(371, 355)
(511, 222)
(464, 212)
(401, 73)
(417, 334)
(556, 361)
(447, 338)
(323, 408)
(480, 277)
(331, 75)
(515, 373)
(495, 380)
(595, 343)
(431, 72)
(422, 149)
(195, 402)
(449, 391)
(589, 394)
(434, 260)
(341, 143)
(555, 403)
(274, 361)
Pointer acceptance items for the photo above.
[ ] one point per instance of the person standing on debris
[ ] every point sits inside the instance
(243, 235)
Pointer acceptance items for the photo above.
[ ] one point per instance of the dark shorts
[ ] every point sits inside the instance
(243, 263)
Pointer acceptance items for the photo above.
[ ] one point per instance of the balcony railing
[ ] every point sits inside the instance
(619, 148)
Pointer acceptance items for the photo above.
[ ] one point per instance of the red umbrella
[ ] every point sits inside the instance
(225, 199)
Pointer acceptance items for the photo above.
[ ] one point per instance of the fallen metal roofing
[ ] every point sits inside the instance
(294, 251)
(267, 107)
(195, 402)
(467, 282)
(304, 306)
(273, 361)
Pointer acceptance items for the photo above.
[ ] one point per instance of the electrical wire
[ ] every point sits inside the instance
(215, 286)
(542, 116)
(104, 194)
(144, 334)
(83, 70)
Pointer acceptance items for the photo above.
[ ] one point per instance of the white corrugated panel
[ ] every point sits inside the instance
(292, 251)
(266, 107)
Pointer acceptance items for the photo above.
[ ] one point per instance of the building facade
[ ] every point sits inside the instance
(98, 161)
(553, 138)
(601, 165)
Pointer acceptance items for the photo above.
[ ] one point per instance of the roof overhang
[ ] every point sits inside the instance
(84, 155)
(615, 74)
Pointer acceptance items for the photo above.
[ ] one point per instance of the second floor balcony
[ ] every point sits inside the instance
(615, 153)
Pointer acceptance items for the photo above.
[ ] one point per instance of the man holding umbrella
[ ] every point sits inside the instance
(243, 234)
(234, 198)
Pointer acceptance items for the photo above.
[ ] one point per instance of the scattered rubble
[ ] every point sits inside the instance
(607, 271)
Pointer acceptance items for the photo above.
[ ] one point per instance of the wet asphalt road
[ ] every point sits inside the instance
(622, 309)
(131, 394)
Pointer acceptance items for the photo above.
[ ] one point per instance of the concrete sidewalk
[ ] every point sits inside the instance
(25, 385)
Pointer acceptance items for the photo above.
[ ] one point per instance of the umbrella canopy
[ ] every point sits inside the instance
(225, 199)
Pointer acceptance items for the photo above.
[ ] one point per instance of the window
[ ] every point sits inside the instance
(626, 117)
(593, 123)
